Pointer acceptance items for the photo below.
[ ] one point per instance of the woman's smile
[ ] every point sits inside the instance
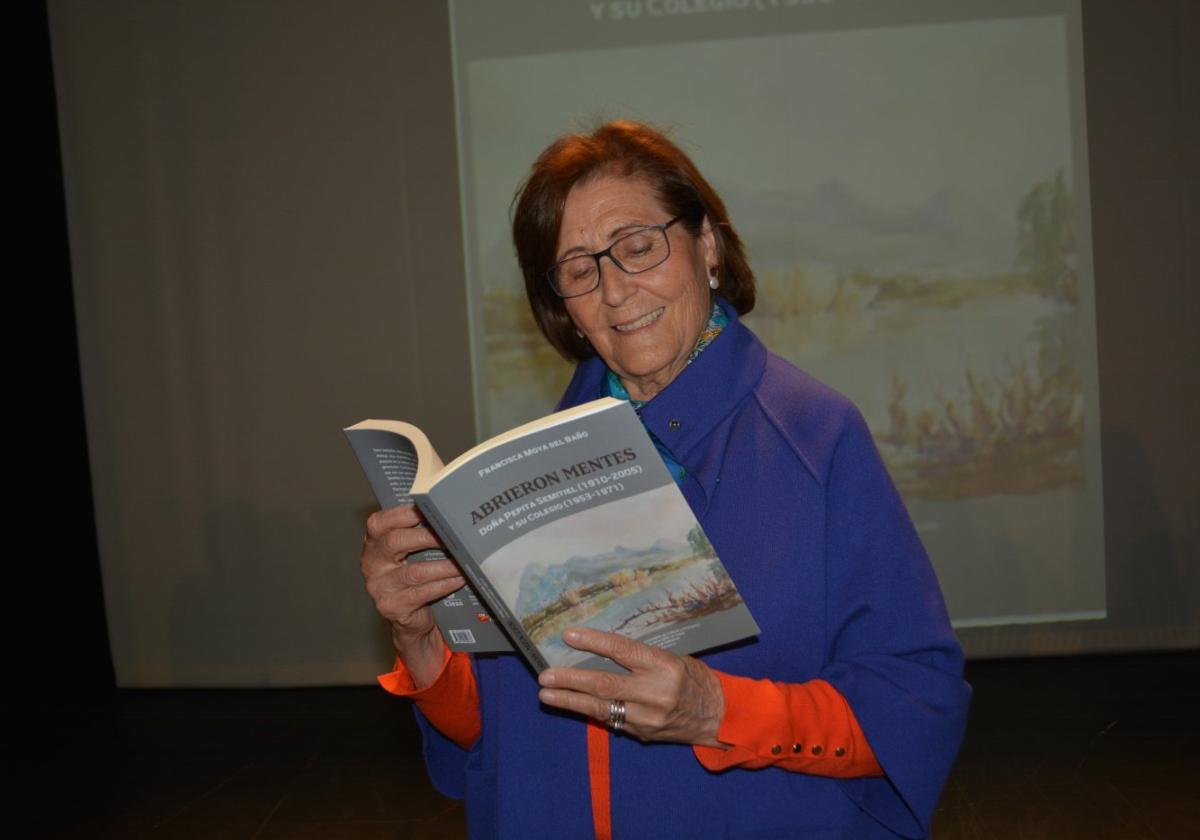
(645, 321)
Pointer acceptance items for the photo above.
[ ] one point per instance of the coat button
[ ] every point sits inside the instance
(839, 752)
(674, 425)
(776, 749)
(797, 747)
(816, 749)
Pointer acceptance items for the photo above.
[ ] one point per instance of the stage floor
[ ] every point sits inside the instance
(1088, 747)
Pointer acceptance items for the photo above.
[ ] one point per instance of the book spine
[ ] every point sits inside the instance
(482, 586)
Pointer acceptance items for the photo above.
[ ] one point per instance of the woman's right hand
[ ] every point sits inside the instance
(403, 591)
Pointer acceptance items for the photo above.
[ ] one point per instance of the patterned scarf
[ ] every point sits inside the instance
(613, 387)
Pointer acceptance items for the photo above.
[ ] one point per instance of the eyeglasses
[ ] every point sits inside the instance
(633, 253)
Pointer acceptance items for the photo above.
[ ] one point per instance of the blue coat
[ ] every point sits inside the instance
(784, 477)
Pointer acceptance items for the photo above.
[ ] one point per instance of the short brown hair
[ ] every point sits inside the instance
(631, 150)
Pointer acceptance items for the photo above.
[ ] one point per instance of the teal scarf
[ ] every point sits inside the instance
(613, 387)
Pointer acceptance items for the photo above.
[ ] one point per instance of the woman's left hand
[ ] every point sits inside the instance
(667, 697)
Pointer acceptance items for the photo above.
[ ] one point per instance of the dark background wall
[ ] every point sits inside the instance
(56, 615)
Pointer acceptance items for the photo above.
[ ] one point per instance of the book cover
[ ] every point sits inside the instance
(574, 520)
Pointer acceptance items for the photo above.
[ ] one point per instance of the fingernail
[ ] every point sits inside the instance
(547, 678)
(571, 635)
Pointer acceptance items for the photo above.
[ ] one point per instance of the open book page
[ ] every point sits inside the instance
(393, 454)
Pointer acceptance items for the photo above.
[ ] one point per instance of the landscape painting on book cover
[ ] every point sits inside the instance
(655, 572)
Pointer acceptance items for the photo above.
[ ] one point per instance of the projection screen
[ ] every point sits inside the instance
(911, 181)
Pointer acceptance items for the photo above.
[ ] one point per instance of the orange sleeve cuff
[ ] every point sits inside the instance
(804, 727)
(450, 702)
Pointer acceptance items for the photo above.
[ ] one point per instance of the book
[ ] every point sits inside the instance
(570, 520)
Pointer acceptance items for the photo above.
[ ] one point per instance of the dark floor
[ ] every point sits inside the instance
(1057, 748)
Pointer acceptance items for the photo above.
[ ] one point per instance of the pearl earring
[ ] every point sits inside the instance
(713, 282)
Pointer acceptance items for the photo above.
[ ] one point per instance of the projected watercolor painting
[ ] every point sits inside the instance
(914, 202)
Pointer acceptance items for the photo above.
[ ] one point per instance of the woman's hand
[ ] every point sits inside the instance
(667, 698)
(403, 591)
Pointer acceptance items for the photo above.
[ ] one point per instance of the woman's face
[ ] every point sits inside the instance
(644, 325)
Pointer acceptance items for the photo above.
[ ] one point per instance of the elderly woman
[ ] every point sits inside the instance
(843, 716)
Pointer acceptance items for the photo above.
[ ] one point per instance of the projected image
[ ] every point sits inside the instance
(971, 377)
(913, 199)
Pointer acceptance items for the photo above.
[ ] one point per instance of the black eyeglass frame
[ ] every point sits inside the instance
(607, 252)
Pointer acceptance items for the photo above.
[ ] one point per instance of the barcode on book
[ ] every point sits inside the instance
(462, 637)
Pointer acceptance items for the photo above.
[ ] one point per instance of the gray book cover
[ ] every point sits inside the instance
(574, 520)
